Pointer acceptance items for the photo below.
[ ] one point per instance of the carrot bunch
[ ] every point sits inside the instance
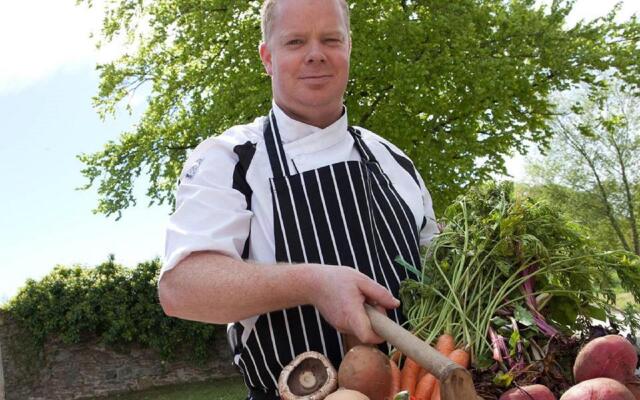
(419, 383)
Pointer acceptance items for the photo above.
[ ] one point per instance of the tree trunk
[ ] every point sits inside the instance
(605, 201)
(629, 199)
(601, 189)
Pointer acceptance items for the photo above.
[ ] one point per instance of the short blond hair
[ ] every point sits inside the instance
(268, 10)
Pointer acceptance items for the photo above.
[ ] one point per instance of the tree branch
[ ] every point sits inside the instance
(372, 109)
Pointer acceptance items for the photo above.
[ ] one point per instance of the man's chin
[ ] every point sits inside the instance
(319, 98)
(323, 105)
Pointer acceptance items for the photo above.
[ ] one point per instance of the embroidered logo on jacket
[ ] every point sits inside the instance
(193, 169)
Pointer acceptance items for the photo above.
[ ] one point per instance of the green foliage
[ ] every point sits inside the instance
(456, 84)
(118, 305)
(509, 256)
(584, 207)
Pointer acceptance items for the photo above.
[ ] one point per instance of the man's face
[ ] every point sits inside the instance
(307, 56)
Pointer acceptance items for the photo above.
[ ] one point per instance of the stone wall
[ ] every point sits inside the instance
(61, 371)
(1, 376)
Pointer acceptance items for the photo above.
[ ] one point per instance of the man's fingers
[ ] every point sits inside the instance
(381, 309)
(378, 295)
(362, 329)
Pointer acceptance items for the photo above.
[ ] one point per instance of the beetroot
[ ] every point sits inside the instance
(531, 392)
(610, 356)
(634, 387)
(598, 389)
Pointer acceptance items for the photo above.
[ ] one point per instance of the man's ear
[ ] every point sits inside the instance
(265, 56)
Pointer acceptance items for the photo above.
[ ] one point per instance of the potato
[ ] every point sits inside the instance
(366, 370)
(598, 389)
(610, 356)
(346, 394)
(531, 392)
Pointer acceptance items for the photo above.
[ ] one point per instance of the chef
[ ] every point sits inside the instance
(286, 226)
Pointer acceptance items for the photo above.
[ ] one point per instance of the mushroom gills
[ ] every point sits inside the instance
(308, 377)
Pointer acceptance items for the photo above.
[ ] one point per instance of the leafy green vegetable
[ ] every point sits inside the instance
(517, 267)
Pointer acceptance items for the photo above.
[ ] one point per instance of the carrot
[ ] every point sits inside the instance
(436, 392)
(459, 357)
(421, 374)
(395, 357)
(395, 379)
(425, 387)
(409, 376)
(445, 344)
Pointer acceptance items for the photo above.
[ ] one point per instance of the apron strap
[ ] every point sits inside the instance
(363, 149)
(279, 164)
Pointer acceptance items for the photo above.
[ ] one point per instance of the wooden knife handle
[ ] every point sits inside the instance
(455, 380)
(429, 358)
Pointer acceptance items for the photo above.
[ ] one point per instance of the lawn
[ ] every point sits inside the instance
(222, 389)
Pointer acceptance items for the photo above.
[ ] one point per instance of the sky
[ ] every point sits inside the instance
(47, 80)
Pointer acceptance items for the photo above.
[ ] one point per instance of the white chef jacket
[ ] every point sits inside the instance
(211, 215)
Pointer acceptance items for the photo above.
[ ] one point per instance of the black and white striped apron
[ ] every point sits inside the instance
(346, 214)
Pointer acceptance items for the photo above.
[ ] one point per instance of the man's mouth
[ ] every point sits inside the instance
(315, 77)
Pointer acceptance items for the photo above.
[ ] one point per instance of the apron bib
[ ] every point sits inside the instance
(345, 214)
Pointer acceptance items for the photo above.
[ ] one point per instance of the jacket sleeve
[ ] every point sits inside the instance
(210, 214)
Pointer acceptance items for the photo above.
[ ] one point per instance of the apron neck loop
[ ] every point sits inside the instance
(277, 159)
(275, 150)
(363, 149)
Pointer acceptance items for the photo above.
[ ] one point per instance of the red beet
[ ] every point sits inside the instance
(634, 387)
(610, 356)
(598, 389)
(531, 392)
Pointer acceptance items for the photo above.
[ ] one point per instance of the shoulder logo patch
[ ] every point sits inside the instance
(193, 169)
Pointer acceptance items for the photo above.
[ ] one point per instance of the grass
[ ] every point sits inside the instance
(221, 389)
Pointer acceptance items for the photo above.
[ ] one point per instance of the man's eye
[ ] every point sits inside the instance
(294, 42)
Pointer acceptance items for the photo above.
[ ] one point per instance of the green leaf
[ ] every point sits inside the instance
(523, 316)
(407, 266)
(499, 322)
(594, 312)
(513, 342)
(563, 310)
(503, 379)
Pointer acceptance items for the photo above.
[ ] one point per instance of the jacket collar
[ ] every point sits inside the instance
(298, 137)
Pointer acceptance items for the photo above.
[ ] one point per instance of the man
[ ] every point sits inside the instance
(286, 226)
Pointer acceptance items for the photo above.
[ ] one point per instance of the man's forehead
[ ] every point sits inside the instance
(288, 9)
(303, 31)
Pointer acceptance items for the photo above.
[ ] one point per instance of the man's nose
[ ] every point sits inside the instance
(315, 54)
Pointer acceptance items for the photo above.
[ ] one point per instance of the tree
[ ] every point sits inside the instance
(593, 162)
(457, 84)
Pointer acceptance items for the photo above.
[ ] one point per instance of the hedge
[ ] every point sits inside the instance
(117, 305)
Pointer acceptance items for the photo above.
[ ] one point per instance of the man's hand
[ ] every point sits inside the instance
(340, 296)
